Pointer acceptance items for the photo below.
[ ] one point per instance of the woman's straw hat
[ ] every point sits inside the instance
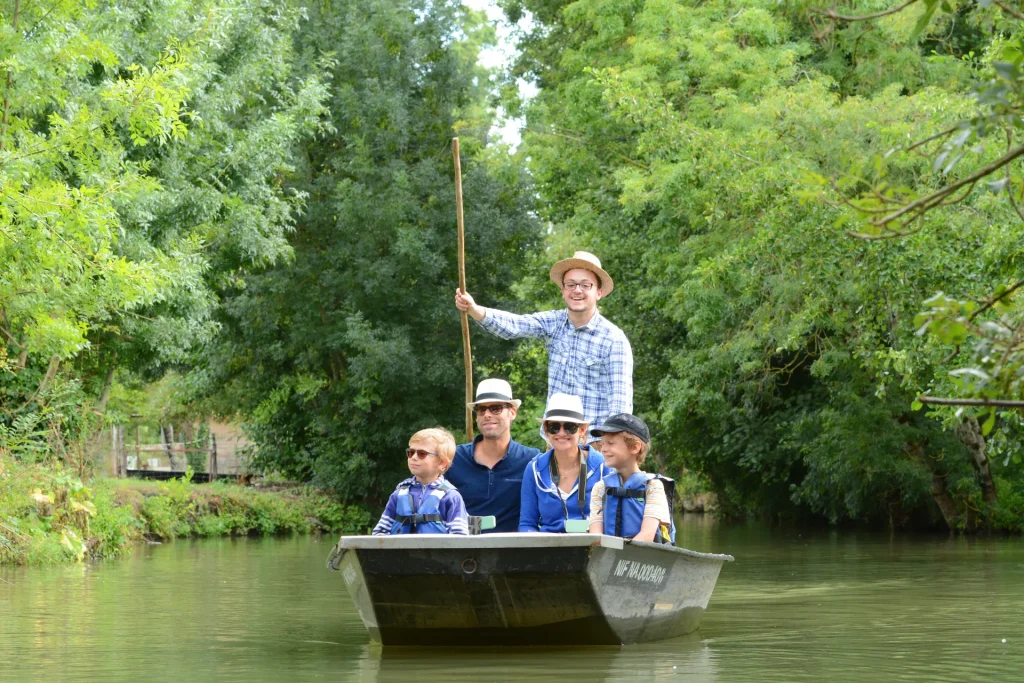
(564, 407)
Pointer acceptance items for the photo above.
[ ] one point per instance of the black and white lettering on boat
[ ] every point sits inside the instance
(632, 572)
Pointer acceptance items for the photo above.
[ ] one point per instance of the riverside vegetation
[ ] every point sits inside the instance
(251, 205)
(50, 516)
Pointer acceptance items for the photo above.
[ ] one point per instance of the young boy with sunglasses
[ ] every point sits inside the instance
(425, 503)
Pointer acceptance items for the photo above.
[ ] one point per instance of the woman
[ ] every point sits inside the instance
(551, 490)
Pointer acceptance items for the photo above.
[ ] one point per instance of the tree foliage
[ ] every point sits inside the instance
(691, 146)
(338, 356)
(141, 151)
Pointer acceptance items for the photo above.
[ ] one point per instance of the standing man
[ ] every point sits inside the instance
(489, 471)
(587, 356)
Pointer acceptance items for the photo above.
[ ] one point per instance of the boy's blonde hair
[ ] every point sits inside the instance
(444, 444)
(644, 447)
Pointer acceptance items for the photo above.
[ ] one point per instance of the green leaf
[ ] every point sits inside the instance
(989, 423)
(926, 18)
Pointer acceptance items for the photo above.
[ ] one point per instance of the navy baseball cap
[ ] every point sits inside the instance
(624, 422)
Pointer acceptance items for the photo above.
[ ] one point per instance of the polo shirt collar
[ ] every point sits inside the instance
(472, 452)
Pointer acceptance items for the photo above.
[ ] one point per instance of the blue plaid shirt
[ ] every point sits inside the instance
(594, 362)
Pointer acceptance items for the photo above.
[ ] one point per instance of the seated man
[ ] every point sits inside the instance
(425, 503)
(629, 502)
(489, 471)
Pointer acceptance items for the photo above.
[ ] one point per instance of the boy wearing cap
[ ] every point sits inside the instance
(425, 503)
(588, 356)
(629, 502)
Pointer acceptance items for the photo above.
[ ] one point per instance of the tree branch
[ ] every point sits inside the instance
(101, 403)
(10, 84)
(982, 402)
(932, 138)
(996, 299)
(625, 158)
(832, 14)
(925, 203)
(1013, 11)
(51, 371)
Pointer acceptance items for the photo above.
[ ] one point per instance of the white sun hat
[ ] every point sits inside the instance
(494, 391)
(587, 261)
(564, 407)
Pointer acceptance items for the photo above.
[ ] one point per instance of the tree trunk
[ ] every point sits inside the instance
(187, 435)
(212, 468)
(941, 495)
(970, 434)
(122, 453)
(167, 433)
(101, 403)
(113, 451)
(946, 504)
(51, 372)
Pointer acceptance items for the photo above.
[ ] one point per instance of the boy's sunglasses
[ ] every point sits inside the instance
(410, 452)
(554, 427)
(492, 409)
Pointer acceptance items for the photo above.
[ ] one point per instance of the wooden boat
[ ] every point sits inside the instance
(524, 589)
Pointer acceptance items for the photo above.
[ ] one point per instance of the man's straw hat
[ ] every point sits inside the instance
(494, 391)
(587, 261)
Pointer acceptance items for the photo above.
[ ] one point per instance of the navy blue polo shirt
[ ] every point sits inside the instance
(492, 491)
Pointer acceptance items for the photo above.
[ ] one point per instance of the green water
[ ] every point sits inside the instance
(793, 607)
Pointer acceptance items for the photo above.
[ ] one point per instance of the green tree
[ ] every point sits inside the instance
(141, 153)
(338, 356)
(689, 144)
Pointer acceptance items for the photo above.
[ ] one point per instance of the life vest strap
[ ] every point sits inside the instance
(417, 519)
(621, 492)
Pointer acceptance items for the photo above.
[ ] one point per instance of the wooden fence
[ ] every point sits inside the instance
(121, 453)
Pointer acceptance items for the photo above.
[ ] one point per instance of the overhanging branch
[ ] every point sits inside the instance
(979, 402)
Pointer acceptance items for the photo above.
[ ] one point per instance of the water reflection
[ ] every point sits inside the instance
(686, 659)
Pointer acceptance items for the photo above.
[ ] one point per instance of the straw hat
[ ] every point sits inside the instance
(494, 391)
(564, 407)
(587, 261)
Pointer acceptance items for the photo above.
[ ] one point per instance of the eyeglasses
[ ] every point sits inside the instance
(492, 409)
(413, 452)
(585, 286)
(555, 427)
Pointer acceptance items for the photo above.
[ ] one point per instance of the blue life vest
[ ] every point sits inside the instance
(624, 506)
(426, 519)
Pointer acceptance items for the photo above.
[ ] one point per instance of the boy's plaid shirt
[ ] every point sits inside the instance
(594, 362)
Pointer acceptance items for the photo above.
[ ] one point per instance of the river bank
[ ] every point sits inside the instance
(48, 515)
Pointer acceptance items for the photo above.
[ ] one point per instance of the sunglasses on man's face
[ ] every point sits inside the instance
(492, 409)
(555, 427)
(417, 452)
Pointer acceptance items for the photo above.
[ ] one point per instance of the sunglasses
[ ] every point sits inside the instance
(492, 409)
(411, 452)
(555, 427)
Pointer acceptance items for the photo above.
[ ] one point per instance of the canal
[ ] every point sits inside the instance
(795, 606)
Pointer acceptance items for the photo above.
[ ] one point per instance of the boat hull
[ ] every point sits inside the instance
(524, 589)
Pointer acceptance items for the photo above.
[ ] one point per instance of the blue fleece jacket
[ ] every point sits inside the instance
(541, 506)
